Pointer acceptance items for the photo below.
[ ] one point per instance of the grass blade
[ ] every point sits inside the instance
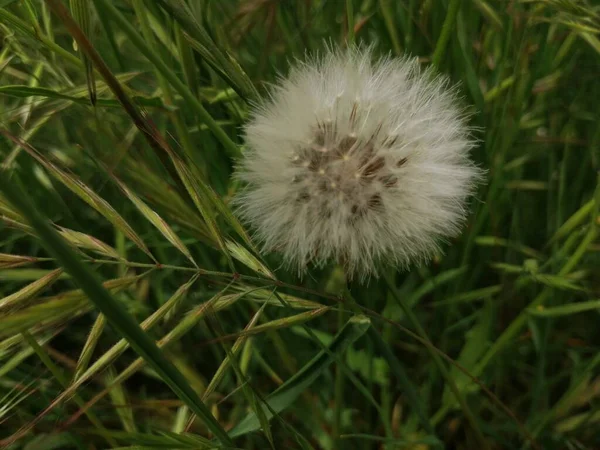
(565, 310)
(10, 261)
(285, 395)
(30, 291)
(84, 192)
(115, 313)
(133, 34)
(157, 221)
(89, 346)
(80, 9)
(60, 377)
(200, 41)
(82, 240)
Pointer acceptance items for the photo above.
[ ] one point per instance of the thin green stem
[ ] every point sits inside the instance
(116, 314)
(36, 33)
(64, 382)
(438, 362)
(447, 28)
(397, 370)
(339, 391)
(350, 17)
(176, 116)
(388, 17)
(189, 97)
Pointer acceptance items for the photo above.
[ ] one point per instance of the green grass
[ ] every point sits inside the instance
(137, 312)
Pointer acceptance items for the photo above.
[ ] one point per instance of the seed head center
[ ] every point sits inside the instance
(342, 167)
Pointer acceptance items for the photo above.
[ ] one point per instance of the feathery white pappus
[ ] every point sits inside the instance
(356, 161)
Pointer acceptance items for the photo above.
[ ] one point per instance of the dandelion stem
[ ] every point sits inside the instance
(447, 27)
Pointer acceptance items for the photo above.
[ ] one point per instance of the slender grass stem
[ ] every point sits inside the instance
(135, 37)
(438, 362)
(350, 21)
(339, 390)
(388, 16)
(447, 27)
(64, 382)
(114, 311)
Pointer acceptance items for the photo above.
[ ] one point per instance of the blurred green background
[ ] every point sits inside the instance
(494, 345)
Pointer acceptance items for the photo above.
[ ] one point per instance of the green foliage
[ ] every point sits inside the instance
(137, 312)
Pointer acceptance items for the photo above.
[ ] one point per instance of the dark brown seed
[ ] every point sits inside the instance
(389, 180)
(315, 163)
(356, 213)
(325, 132)
(344, 146)
(375, 201)
(298, 178)
(390, 141)
(353, 114)
(322, 185)
(401, 162)
(319, 138)
(333, 130)
(366, 153)
(374, 166)
(303, 196)
(376, 133)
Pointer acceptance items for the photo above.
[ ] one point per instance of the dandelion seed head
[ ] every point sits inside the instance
(358, 162)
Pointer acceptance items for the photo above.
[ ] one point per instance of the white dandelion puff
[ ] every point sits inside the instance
(356, 162)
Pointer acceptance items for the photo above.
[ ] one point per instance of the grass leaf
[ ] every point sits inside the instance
(30, 291)
(115, 313)
(292, 388)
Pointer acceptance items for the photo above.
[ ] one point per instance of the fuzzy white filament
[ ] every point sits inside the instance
(356, 162)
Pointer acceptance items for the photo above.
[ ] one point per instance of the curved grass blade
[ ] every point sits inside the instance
(80, 9)
(217, 303)
(31, 290)
(156, 220)
(84, 192)
(285, 395)
(82, 240)
(572, 222)
(89, 346)
(194, 186)
(133, 34)
(49, 94)
(52, 310)
(565, 310)
(115, 312)
(201, 42)
(10, 261)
